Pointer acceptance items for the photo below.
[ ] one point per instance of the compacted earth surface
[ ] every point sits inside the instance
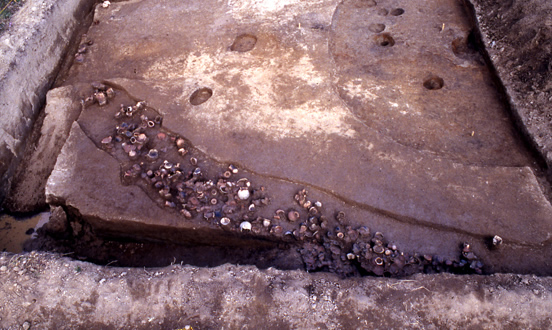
(346, 138)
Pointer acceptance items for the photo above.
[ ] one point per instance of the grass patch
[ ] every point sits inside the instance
(7, 9)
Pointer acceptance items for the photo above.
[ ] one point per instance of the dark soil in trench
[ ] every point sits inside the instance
(87, 246)
(76, 239)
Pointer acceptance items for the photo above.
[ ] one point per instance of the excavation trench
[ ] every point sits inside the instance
(354, 137)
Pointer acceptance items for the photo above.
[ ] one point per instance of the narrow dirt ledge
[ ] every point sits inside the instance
(43, 290)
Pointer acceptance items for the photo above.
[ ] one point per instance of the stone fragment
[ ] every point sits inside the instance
(57, 225)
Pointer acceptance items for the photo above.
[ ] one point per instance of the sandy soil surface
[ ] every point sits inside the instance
(46, 291)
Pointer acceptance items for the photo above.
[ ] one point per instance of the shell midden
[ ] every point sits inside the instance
(182, 179)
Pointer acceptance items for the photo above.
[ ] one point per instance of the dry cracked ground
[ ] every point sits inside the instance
(358, 137)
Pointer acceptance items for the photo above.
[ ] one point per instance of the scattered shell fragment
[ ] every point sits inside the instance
(293, 215)
(158, 120)
(107, 140)
(79, 58)
(277, 230)
(141, 138)
(225, 221)
(497, 240)
(193, 161)
(180, 143)
(82, 49)
(140, 105)
(233, 169)
(106, 4)
(243, 194)
(167, 165)
(153, 154)
(245, 225)
(110, 93)
(379, 249)
(100, 98)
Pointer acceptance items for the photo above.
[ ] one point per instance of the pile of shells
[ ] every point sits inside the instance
(168, 169)
(101, 95)
(349, 251)
(181, 179)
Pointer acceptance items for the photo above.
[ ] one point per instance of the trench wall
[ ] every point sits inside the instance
(31, 54)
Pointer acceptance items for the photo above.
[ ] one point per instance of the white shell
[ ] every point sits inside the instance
(106, 4)
(225, 221)
(246, 225)
(266, 222)
(243, 194)
(350, 256)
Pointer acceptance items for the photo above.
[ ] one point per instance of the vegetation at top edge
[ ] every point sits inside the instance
(8, 8)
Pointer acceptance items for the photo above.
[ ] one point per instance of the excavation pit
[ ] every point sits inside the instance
(182, 140)
(293, 129)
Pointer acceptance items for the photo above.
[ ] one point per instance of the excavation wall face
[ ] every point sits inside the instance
(384, 111)
(31, 52)
(517, 37)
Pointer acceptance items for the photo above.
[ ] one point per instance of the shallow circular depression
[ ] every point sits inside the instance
(384, 40)
(244, 43)
(434, 82)
(397, 12)
(366, 3)
(376, 27)
(201, 95)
